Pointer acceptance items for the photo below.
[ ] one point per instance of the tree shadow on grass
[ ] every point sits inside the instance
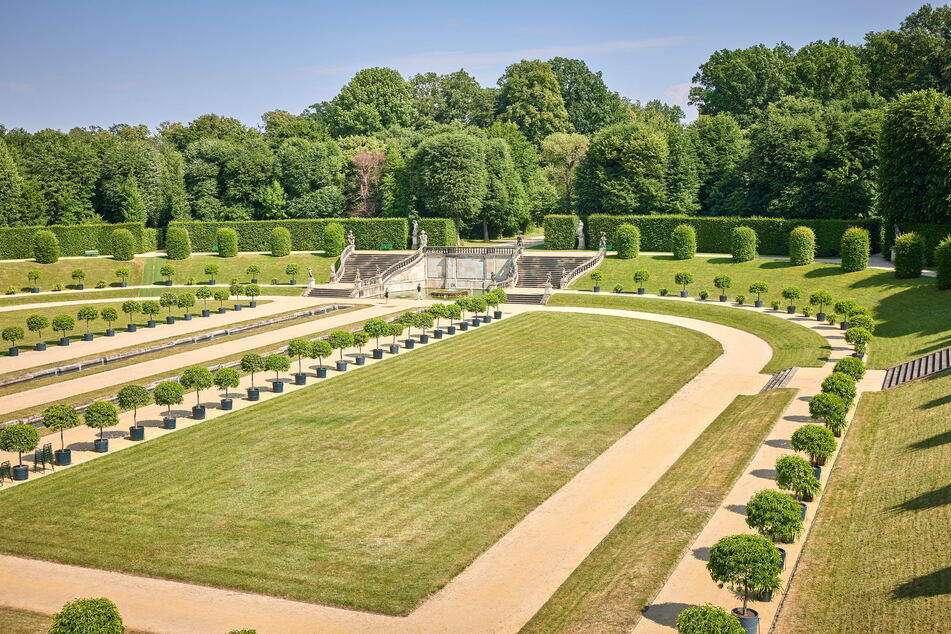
(825, 271)
(938, 402)
(931, 585)
(929, 500)
(935, 441)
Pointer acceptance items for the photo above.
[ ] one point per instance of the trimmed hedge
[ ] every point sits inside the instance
(855, 249)
(334, 240)
(441, 232)
(306, 235)
(45, 247)
(802, 246)
(123, 245)
(683, 242)
(714, 233)
(561, 232)
(942, 256)
(17, 242)
(743, 243)
(226, 239)
(177, 244)
(909, 256)
(627, 241)
(931, 234)
(280, 242)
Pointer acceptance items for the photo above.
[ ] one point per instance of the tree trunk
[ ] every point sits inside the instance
(485, 228)
(458, 222)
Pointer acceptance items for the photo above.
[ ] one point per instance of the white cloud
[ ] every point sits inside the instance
(678, 94)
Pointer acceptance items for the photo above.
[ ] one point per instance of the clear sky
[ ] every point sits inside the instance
(92, 62)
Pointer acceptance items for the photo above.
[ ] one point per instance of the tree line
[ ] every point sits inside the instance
(833, 130)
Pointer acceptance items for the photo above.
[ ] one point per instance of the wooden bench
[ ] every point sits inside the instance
(91, 252)
(386, 247)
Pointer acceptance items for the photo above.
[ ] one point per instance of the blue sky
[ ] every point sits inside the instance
(85, 63)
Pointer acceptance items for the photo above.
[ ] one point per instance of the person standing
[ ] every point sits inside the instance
(386, 296)
(419, 291)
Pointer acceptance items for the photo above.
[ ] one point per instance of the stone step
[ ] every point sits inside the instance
(525, 298)
(328, 292)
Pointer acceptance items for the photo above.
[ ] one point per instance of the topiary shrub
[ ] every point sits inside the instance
(774, 515)
(909, 256)
(815, 441)
(227, 240)
(942, 258)
(177, 244)
(627, 241)
(745, 563)
(802, 246)
(45, 247)
(683, 242)
(855, 247)
(333, 241)
(280, 242)
(830, 408)
(794, 473)
(743, 243)
(708, 619)
(560, 232)
(123, 245)
(88, 615)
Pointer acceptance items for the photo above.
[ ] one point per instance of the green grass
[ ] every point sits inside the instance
(914, 318)
(608, 591)
(26, 622)
(375, 489)
(877, 559)
(793, 345)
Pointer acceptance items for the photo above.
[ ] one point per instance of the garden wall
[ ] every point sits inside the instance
(17, 242)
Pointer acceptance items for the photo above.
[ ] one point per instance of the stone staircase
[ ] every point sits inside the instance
(917, 368)
(367, 264)
(533, 270)
(328, 291)
(525, 298)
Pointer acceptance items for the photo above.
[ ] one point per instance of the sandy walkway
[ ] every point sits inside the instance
(505, 586)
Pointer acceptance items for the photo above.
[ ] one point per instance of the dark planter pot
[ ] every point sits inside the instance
(820, 462)
(858, 355)
(597, 289)
(476, 322)
(205, 312)
(361, 360)
(782, 559)
(13, 351)
(87, 336)
(150, 324)
(130, 328)
(724, 298)
(137, 432)
(497, 314)
(80, 287)
(21, 472)
(63, 457)
(123, 284)
(277, 387)
(424, 338)
(765, 596)
(300, 379)
(211, 282)
(437, 334)
(750, 623)
(378, 353)
(254, 394)
(463, 326)
(451, 330)
(222, 310)
(101, 445)
(237, 306)
(791, 310)
(293, 282)
(802, 510)
(817, 471)
(641, 290)
(34, 290)
(321, 373)
(409, 344)
(227, 404)
(758, 304)
(198, 412)
(169, 423)
(487, 319)
(64, 341)
(820, 316)
(684, 294)
(187, 317)
(169, 319)
(342, 366)
(394, 349)
(253, 304)
(843, 325)
(805, 497)
(40, 347)
(168, 282)
(254, 280)
(110, 332)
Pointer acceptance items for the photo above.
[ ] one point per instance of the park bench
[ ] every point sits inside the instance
(91, 252)
(386, 247)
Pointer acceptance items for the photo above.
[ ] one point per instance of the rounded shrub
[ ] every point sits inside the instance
(627, 241)
(802, 246)
(818, 442)
(45, 247)
(227, 240)
(333, 240)
(88, 615)
(177, 244)
(743, 242)
(123, 245)
(851, 366)
(942, 258)
(683, 242)
(774, 515)
(854, 249)
(280, 242)
(909, 255)
(842, 385)
(708, 619)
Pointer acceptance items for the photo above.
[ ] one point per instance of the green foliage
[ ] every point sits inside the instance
(684, 278)
(277, 363)
(745, 563)
(560, 232)
(78, 275)
(46, 247)
(198, 378)
(774, 515)
(851, 366)
(252, 290)
(743, 244)
(280, 242)
(831, 408)
(597, 277)
(759, 288)
(60, 417)
(802, 246)
(683, 242)
(133, 397)
(377, 328)
(795, 474)
(942, 257)
(123, 245)
(723, 282)
(815, 441)
(101, 414)
(441, 232)
(858, 336)
(627, 241)
(252, 363)
(74, 240)
(320, 349)
(185, 300)
(373, 101)
(37, 323)
(530, 97)
(12, 334)
(169, 393)
(707, 619)
(88, 616)
(19, 437)
(854, 248)
(820, 299)
(226, 239)
(151, 308)
(641, 276)
(909, 255)
(452, 176)
(226, 379)
(333, 240)
(63, 324)
(87, 314)
(306, 234)
(177, 244)
(791, 293)
(167, 271)
(168, 300)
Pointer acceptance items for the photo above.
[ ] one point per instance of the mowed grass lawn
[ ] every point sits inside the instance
(609, 590)
(914, 318)
(793, 345)
(878, 557)
(374, 489)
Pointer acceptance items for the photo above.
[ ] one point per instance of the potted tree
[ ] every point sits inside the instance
(476, 305)
(842, 385)
(123, 274)
(63, 324)
(360, 339)
(684, 278)
(791, 294)
(774, 515)
(100, 415)
(37, 324)
(831, 409)
(12, 334)
(463, 305)
(34, 276)
(820, 299)
(860, 338)
(252, 273)
(133, 397)
(815, 441)
(641, 278)
(169, 301)
(299, 348)
(237, 290)
(204, 294)
(151, 308)
(503, 297)
(109, 315)
(844, 307)
(408, 320)
(20, 438)
(597, 277)
(131, 308)
(88, 615)
(221, 296)
(197, 378)
(169, 393)
(376, 328)
(320, 349)
(87, 314)
(395, 329)
(277, 363)
(745, 563)
(185, 302)
(226, 379)
(851, 366)
(453, 314)
(438, 311)
(78, 276)
(759, 288)
(723, 282)
(211, 270)
(59, 418)
(795, 474)
(491, 301)
(708, 619)
(168, 272)
(291, 270)
(252, 291)
(340, 340)
(252, 363)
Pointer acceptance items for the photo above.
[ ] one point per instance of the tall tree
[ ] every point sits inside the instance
(681, 180)
(916, 56)
(273, 201)
(542, 197)
(530, 97)
(172, 199)
(64, 171)
(130, 206)
(828, 71)
(452, 177)
(373, 101)
(505, 207)
(721, 149)
(589, 103)
(304, 165)
(11, 187)
(563, 152)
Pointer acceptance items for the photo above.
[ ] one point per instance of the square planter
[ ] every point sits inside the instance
(342, 366)
(64, 341)
(437, 334)
(424, 338)
(63, 457)
(13, 351)
(41, 346)
(198, 412)
(222, 310)
(130, 328)
(758, 304)
(321, 373)
(791, 310)
(293, 282)
(820, 316)
(254, 394)
(21, 472)
(409, 344)
(187, 317)
(641, 290)
(110, 332)
(101, 445)
(211, 282)
(227, 404)
(237, 306)
(254, 280)
(451, 330)
(277, 387)
(137, 432)
(684, 294)
(169, 422)
(205, 312)
(378, 353)
(497, 314)
(360, 360)
(300, 379)
(476, 322)
(597, 289)
(150, 324)
(253, 304)
(487, 320)
(169, 319)
(394, 349)
(87, 336)
(724, 298)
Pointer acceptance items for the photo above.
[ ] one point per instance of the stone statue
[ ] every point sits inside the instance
(378, 271)
(415, 234)
(333, 272)
(356, 278)
(579, 231)
(518, 240)
(548, 284)
(423, 239)
(602, 241)
(351, 239)
(310, 278)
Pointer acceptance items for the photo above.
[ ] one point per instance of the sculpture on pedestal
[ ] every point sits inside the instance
(579, 232)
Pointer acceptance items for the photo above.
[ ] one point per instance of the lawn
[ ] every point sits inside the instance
(914, 318)
(793, 345)
(375, 489)
(608, 591)
(116, 293)
(877, 559)
(26, 622)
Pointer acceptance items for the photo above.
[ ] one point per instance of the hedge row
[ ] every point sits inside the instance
(561, 232)
(714, 233)
(440, 232)
(17, 242)
(306, 235)
(931, 234)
